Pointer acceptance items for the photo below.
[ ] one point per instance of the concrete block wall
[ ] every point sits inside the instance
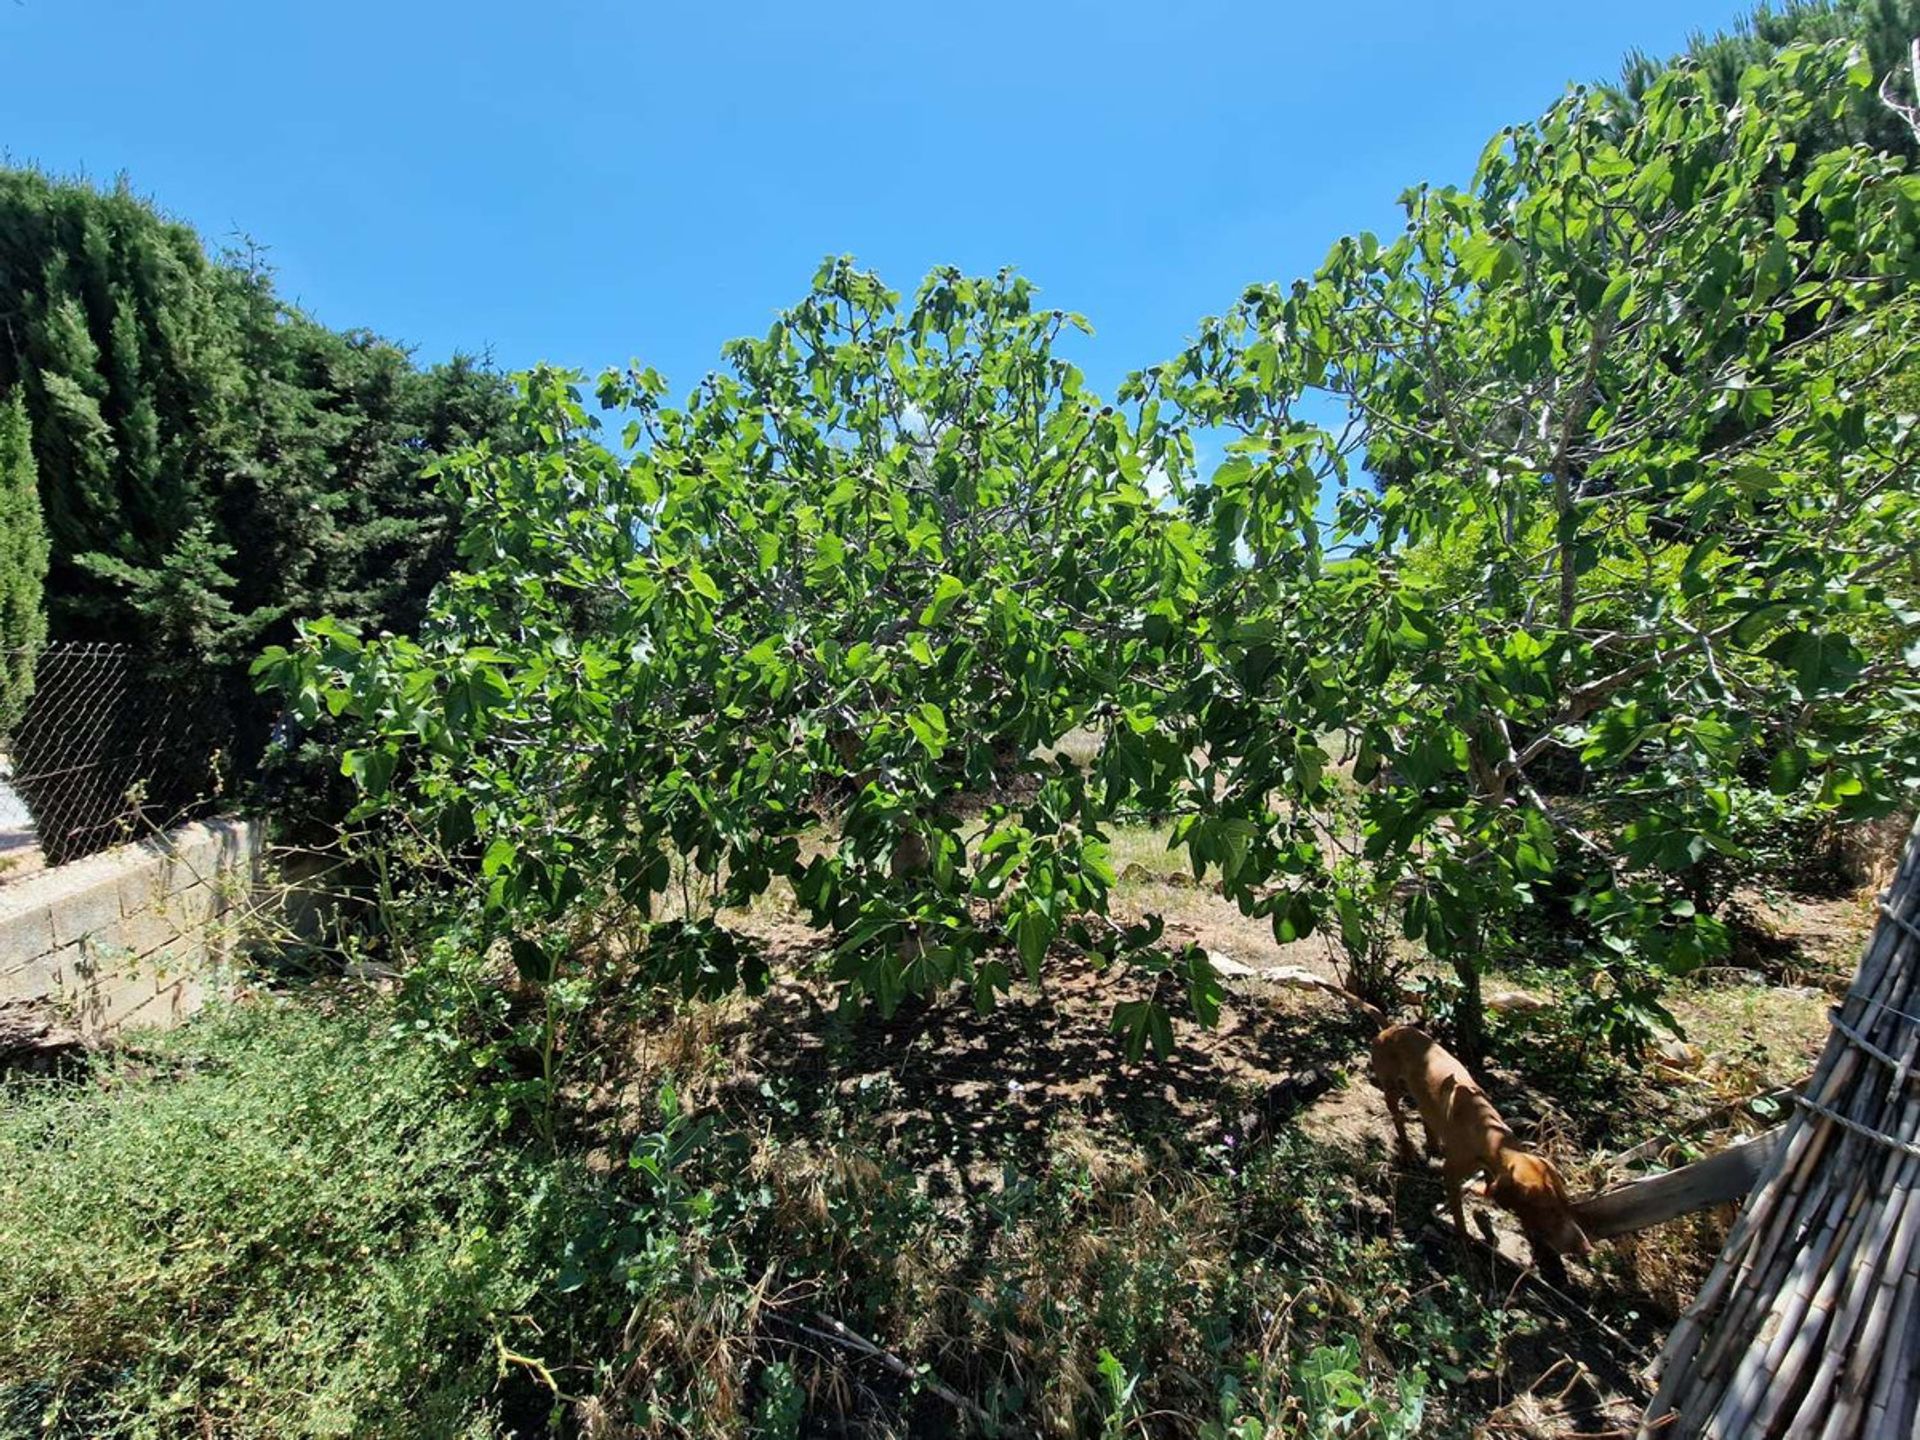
(137, 936)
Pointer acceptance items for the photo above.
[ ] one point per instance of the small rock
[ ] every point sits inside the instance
(1298, 976)
(1515, 1002)
(1679, 1054)
(1228, 968)
(370, 971)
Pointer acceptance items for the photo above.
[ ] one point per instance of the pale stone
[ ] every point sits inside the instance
(82, 912)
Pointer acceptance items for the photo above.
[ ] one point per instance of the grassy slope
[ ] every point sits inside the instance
(276, 1222)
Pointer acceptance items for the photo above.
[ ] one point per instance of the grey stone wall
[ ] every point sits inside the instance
(138, 936)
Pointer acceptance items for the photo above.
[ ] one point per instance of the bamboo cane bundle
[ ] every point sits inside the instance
(1809, 1324)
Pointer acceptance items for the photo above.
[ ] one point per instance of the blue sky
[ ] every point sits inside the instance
(589, 182)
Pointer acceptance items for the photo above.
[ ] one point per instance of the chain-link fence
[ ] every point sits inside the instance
(106, 752)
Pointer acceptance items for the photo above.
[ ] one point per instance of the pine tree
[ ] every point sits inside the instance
(1883, 29)
(23, 562)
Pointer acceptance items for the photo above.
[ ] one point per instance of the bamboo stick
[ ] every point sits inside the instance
(1902, 1277)
(1809, 1322)
(1859, 1306)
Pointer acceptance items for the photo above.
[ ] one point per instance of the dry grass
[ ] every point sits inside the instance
(1005, 1199)
(1141, 854)
(1751, 1038)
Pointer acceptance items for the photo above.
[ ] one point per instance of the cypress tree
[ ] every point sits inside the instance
(23, 562)
(117, 328)
(214, 464)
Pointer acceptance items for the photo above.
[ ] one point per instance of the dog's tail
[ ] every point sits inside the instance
(1373, 1012)
(1301, 979)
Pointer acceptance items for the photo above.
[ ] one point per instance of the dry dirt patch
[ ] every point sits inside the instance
(950, 1083)
(969, 1105)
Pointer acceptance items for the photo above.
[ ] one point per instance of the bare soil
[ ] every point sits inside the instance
(971, 1102)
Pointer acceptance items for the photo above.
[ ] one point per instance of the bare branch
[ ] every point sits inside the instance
(1908, 113)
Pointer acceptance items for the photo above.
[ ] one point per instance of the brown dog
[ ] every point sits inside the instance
(1468, 1134)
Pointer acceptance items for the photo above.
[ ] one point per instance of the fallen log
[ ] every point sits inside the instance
(33, 1038)
(1721, 1178)
(1738, 1110)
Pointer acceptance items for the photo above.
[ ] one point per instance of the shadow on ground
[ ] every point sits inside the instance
(964, 1097)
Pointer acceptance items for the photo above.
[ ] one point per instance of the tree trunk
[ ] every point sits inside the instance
(1469, 1014)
